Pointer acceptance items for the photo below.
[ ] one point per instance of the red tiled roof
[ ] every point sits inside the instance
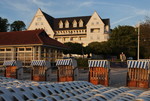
(28, 37)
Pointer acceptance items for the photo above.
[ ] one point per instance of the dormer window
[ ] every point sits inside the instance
(39, 19)
(80, 23)
(74, 23)
(66, 24)
(60, 24)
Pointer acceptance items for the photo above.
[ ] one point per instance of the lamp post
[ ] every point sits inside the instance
(138, 51)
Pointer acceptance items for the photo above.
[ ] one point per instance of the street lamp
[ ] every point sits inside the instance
(138, 51)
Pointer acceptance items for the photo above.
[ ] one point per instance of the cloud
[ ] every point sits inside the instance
(123, 19)
(16, 5)
(87, 4)
(62, 8)
(42, 3)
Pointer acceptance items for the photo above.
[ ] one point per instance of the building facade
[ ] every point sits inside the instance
(29, 45)
(82, 29)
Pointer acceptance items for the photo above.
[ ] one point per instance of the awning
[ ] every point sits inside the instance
(138, 64)
(63, 62)
(99, 63)
(40, 63)
(12, 63)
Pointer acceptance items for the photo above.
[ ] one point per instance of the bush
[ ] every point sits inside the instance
(82, 62)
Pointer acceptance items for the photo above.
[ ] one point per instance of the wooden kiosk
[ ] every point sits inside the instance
(99, 71)
(67, 70)
(41, 70)
(138, 74)
(13, 69)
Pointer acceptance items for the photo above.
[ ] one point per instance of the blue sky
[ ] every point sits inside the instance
(120, 12)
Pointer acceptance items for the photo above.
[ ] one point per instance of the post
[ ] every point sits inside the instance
(138, 51)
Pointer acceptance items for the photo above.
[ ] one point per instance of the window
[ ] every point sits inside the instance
(41, 23)
(92, 23)
(39, 19)
(2, 49)
(95, 30)
(80, 23)
(60, 24)
(97, 23)
(79, 38)
(21, 49)
(8, 49)
(36, 23)
(71, 39)
(28, 49)
(66, 24)
(74, 23)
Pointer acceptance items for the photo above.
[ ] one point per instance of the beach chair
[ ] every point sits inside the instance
(138, 73)
(67, 70)
(13, 69)
(99, 71)
(41, 70)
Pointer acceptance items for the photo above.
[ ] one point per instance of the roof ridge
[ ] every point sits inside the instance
(72, 17)
(37, 34)
(47, 14)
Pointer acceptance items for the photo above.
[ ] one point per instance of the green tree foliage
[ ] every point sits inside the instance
(3, 25)
(145, 38)
(124, 39)
(74, 48)
(17, 26)
(98, 48)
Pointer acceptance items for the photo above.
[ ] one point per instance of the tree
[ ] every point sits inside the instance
(17, 26)
(75, 48)
(123, 39)
(3, 25)
(145, 38)
(98, 48)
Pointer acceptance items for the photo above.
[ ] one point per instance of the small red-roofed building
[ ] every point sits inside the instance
(29, 45)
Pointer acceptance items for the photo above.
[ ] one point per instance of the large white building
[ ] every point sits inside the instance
(82, 29)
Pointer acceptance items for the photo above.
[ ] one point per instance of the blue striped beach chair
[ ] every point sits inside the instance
(67, 70)
(41, 70)
(99, 72)
(13, 69)
(138, 73)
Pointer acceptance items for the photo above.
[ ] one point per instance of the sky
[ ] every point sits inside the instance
(120, 12)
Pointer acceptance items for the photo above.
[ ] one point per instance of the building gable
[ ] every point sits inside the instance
(95, 20)
(42, 20)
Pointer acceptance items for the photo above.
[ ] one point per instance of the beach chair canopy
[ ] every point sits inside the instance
(99, 63)
(12, 63)
(138, 64)
(65, 62)
(40, 63)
